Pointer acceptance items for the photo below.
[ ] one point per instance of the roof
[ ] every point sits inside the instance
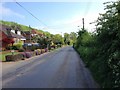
(33, 31)
(7, 31)
(27, 36)
(16, 36)
(27, 32)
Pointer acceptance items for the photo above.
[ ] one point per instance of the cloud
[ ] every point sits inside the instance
(4, 11)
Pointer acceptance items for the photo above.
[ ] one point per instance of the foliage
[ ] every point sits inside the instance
(66, 38)
(101, 51)
(58, 39)
(35, 38)
(28, 54)
(4, 54)
(15, 25)
(73, 37)
(70, 38)
(36, 52)
(39, 51)
(17, 46)
(21, 50)
(14, 57)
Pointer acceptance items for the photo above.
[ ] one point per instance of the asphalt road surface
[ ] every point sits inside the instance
(62, 68)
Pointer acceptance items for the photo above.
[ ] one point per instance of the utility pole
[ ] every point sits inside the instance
(30, 33)
(118, 15)
(83, 22)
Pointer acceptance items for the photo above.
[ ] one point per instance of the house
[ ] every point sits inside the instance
(29, 35)
(18, 37)
(10, 37)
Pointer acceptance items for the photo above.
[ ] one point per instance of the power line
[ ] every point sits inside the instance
(30, 13)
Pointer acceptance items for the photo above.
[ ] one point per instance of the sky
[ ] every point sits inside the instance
(56, 17)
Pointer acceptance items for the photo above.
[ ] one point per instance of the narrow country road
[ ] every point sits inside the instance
(59, 69)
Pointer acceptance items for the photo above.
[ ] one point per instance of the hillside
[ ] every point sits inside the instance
(15, 25)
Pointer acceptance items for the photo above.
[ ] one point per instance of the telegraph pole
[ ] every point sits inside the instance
(118, 15)
(30, 33)
(83, 22)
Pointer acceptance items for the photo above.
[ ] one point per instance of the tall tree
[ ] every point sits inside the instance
(58, 39)
(66, 38)
(73, 37)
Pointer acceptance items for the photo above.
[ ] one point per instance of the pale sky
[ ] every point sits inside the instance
(55, 16)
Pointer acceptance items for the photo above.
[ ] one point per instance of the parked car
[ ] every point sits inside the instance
(31, 44)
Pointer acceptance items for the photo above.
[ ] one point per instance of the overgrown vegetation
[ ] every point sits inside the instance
(101, 50)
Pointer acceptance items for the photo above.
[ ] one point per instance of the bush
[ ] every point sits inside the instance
(21, 50)
(28, 54)
(24, 55)
(32, 53)
(46, 49)
(9, 47)
(17, 46)
(42, 51)
(36, 52)
(33, 47)
(39, 51)
(14, 57)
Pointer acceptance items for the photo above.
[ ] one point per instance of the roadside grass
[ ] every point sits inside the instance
(2, 56)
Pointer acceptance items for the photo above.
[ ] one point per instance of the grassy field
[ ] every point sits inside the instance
(2, 56)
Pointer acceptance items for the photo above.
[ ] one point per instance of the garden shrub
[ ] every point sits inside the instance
(24, 55)
(33, 47)
(36, 52)
(14, 57)
(17, 46)
(42, 51)
(9, 47)
(32, 53)
(46, 49)
(21, 50)
(28, 54)
(39, 51)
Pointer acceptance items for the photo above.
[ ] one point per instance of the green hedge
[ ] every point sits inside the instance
(14, 57)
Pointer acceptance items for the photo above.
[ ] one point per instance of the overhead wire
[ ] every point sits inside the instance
(86, 12)
(30, 13)
(38, 18)
(47, 27)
